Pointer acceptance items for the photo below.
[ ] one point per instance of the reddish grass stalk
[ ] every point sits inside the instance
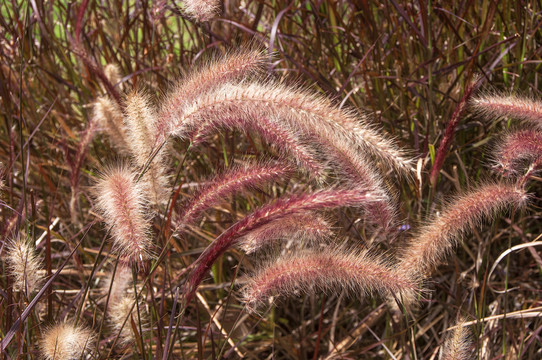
(307, 226)
(446, 142)
(441, 234)
(281, 208)
(330, 270)
(228, 183)
(495, 106)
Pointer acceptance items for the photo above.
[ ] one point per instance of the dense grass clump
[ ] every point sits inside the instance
(270, 179)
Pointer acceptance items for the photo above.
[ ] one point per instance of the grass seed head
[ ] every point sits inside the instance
(121, 202)
(23, 265)
(497, 106)
(442, 233)
(64, 341)
(330, 270)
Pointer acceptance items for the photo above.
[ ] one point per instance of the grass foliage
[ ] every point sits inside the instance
(270, 179)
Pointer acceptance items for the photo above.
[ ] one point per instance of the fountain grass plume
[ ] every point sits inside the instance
(121, 319)
(122, 204)
(356, 169)
(457, 344)
(23, 265)
(119, 287)
(141, 127)
(201, 10)
(330, 270)
(308, 227)
(235, 65)
(497, 106)
(518, 151)
(281, 208)
(312, 115)
(442, 233)
(65, 341)
(139, 121)
(289, 142)
(117, 284)
(232, 181)
(113, 73)
(108, 116)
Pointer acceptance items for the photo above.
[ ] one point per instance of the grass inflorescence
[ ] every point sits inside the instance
(270, 179)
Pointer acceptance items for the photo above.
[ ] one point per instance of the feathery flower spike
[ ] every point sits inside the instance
(279, 135)
(23, 265)
(231, 181)
(329, 270)
(518, 149)
(121, 317)
(309, 227)
(121, 203)
(491, 106)
(108, 116)
(283, 207)
(456, 346)
(303, 111)
(236, 65)
(140, 122)
(438, 238)
(122, 282)
(64, 341)
(201, 10)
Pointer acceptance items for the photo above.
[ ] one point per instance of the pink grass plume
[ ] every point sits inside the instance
(122, 204)
(313, 116)
(231, 181)
(281, 208)
(497, 106)
(440, 236)
(519, 153)
(208, 76)
(330, 270)
(307, 226)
